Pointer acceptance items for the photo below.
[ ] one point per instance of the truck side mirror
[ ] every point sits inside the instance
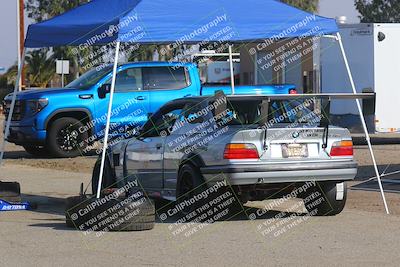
(104, 90)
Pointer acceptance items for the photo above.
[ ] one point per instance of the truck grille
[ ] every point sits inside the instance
(18, 109)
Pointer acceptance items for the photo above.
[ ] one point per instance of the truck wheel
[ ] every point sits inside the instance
(325, 199)
(38, 151)
(108, 176)
(65, 140)
(190, 183)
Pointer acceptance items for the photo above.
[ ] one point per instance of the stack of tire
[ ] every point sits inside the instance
(120, 214)
(10, 191)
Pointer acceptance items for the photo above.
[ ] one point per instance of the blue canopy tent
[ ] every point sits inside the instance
(169, 21)
(181, 22)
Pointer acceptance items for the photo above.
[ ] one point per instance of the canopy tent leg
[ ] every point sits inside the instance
(339, 38)
(14, 97)
(107, 130)
(231, 69)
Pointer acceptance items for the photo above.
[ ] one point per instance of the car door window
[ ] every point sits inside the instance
(128, 80)
(161, 123)
(165, 78)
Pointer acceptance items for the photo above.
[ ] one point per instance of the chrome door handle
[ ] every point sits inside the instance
(140, 98)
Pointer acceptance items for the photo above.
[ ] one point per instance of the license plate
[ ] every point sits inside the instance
(294, 150)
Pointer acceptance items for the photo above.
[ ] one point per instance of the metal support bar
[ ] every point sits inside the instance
(339, 38)
(14, 97)
(231, 68)
(107, 130)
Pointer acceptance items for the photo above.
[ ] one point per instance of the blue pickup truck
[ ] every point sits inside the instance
(65, 122)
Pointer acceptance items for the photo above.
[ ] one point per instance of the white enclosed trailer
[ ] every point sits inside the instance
(373, 52)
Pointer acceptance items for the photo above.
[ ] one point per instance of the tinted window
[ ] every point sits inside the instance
(165, 78)
(129, 80)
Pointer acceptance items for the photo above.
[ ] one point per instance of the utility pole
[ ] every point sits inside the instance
(20, 37)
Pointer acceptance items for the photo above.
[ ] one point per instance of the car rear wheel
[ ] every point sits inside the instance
(65, 140)
(38, 151)
(326, 198)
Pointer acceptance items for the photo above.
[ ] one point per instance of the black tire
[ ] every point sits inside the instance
(38, 151)
(108, 176)
(10, 191)
(122, 214)
(323, 199)
(144, 220)
(65, 140)
(72, 206)
(190, 183)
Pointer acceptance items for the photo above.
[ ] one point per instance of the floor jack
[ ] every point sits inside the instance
(10, 198)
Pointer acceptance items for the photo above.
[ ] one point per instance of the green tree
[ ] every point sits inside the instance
(40, 68)
(378, 10)
(40, 10)
(307, 5)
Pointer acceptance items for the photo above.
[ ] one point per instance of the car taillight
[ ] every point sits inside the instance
(342, 148)
(292, 92)
(240, 151)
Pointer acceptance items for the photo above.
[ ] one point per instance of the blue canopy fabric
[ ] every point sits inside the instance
(192, 21)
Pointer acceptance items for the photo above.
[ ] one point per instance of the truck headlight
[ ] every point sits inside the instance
(36, 105)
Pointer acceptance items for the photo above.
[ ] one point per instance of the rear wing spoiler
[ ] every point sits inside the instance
(305, 96)
(368, 102)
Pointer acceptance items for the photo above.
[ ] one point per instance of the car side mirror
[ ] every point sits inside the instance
(104, 90)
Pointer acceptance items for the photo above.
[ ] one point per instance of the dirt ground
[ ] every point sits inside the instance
(361, 235)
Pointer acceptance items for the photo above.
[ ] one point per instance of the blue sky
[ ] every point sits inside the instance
(8, 42)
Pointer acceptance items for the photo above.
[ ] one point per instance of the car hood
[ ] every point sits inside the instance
(43, 93)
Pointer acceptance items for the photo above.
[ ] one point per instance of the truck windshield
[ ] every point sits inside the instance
(89, 79)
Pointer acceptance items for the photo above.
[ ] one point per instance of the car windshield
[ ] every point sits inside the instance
(90, 78)
(279, 111)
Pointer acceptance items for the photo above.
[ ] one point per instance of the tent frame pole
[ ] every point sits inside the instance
(107, 130)
(13, 100)
(367, 137)
(231, 69)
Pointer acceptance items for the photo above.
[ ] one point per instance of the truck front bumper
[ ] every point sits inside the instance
(250, 174)
(24, 135)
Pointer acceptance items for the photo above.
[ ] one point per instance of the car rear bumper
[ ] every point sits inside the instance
(247, 174)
